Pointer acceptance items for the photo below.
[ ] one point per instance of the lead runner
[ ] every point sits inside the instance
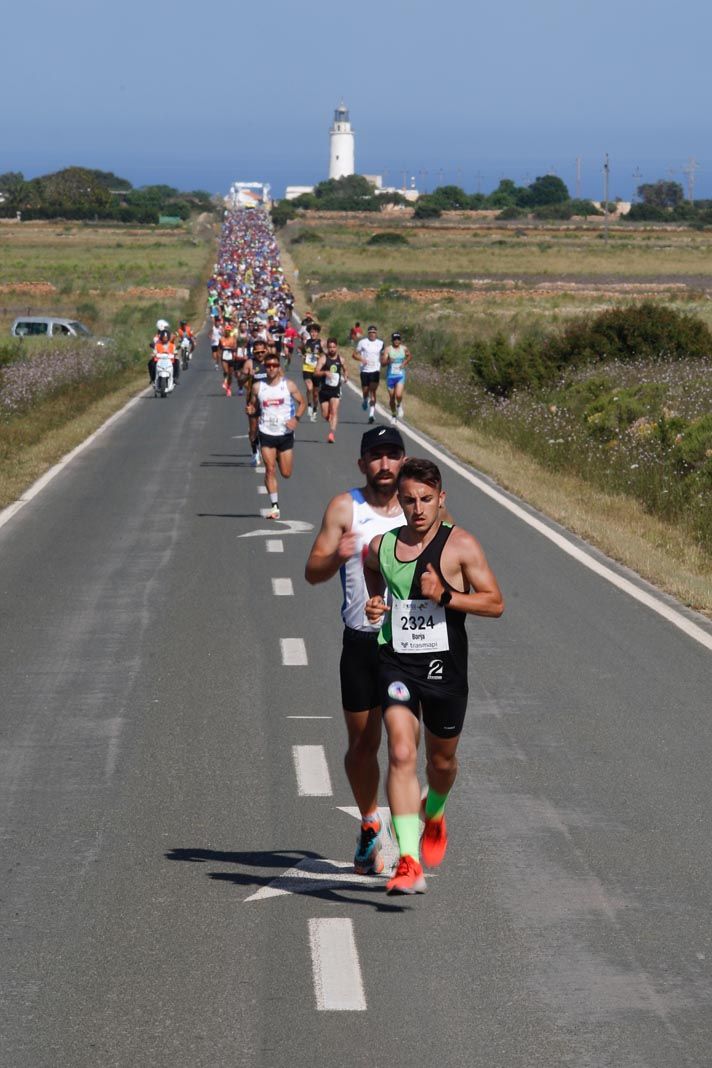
(350, 522)
(436, 574)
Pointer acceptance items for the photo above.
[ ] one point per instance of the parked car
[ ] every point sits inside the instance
(48, 326)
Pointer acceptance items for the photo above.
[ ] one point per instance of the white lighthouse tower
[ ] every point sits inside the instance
(341, 153)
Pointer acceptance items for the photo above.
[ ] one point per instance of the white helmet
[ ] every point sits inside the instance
(162, 324)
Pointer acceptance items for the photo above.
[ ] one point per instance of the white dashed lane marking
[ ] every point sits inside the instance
(338, 986)
(282, 587)
(294, 652)
(261, 489)
(313, 779)
(310, 717)
(275, 545)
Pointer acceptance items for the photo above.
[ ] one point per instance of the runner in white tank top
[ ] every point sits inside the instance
(279, 406)
(339, 547)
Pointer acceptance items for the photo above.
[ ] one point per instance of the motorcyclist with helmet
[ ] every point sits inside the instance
(164, 338)
(184, 330)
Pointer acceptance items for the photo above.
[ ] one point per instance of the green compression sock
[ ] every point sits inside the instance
(407, 830)
(435, 804)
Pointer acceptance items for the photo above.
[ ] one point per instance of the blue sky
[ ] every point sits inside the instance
(199, 96)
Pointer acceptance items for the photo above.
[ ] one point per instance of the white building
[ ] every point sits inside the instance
(341, 149)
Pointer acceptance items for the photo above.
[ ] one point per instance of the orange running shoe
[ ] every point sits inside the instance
(434, 842)
(408, 878)
(331, 439)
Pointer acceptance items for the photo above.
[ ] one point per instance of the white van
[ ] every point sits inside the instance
(48, 326)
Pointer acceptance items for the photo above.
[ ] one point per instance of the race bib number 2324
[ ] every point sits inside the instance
(418, 627)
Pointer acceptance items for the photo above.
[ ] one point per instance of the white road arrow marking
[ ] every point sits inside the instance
(312, 874)
(317, 873)
(294, 526)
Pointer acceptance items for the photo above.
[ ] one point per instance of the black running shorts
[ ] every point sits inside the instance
(283, 443)
(370, 378)
(443, 712)
(327, 393)
(359, 670)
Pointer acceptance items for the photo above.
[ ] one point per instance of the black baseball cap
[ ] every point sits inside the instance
(381, 435)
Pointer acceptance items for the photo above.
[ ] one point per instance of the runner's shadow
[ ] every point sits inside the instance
(316, 869)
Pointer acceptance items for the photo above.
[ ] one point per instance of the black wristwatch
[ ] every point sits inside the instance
(445, 598)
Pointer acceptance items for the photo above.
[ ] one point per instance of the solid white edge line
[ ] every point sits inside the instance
(275, 545)
(282, 587)
(37, 487)
(312, 771)
(338, 986)
(294, 652)
(692, 630)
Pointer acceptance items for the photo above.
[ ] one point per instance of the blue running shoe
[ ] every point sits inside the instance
(364, 404)
(367, 858)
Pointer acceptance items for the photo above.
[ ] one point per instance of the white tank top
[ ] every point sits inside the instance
(367, 524)
(276, 407)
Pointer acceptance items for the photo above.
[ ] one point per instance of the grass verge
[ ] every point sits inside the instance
(30, 446)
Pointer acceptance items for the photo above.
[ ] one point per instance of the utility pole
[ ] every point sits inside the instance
(404, 185)
(478, 179)
(606, 173)
(441, 175)
(689, 170)
(578, 177)
(636, 176)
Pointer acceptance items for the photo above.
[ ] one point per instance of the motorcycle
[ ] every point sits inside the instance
(163, 382)
(186, 353)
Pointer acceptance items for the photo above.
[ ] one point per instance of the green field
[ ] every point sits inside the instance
(118, 281)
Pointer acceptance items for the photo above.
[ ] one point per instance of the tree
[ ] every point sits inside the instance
(281, 213)
(110, 180)
(506, 195)
(661, 194)
(548, 189)
(450, 198)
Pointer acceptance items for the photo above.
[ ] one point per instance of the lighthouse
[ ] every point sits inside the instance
(341, 148)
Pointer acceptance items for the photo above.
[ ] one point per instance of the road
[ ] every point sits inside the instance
(174, 816)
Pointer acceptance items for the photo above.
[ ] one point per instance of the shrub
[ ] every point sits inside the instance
(88, 311)
(694, 450)
(616, 411)
(637, 331)
(281, 214)
(425, 209)
(387, 237)
(502, 365)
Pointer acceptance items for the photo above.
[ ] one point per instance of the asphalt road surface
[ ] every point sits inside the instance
(175, 824)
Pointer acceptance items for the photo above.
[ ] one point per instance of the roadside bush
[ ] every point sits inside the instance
(425, 209)
(637, 331)
(10, 351)
(281, 214)
(388, 237)
(694, 449)
(614, 412)
(502, 365)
